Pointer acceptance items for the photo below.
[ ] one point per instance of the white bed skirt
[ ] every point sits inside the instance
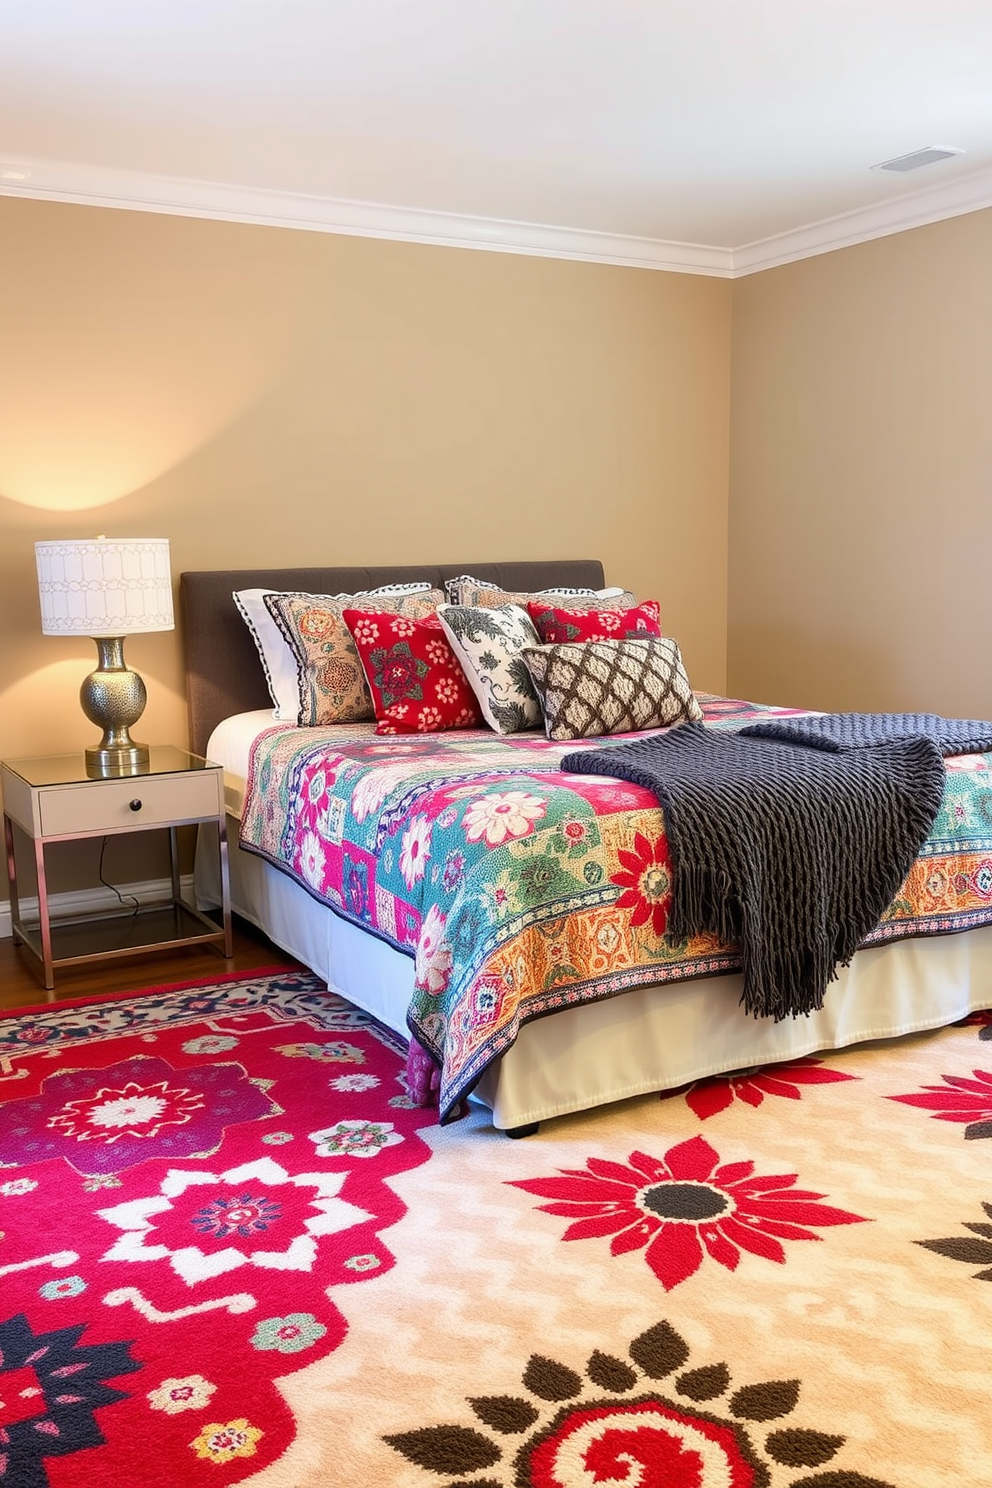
(651, 1038)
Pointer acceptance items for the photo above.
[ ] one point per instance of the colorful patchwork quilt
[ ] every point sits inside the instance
(518, 890)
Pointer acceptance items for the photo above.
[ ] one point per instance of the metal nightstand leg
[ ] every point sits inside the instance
(225, 886)
(15, 904)
(44, 923)
(174, 864)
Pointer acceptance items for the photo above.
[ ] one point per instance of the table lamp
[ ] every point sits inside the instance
(108, 588)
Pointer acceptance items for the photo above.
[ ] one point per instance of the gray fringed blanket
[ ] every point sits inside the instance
(791, 853)
(840, 731)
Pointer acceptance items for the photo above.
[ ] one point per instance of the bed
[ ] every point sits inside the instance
(634, 1033)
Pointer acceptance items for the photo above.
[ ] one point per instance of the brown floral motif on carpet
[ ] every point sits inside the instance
(964, 1248)
(612, 1424)
(958, 1099)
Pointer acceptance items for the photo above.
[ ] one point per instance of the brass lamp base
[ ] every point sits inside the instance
(104, 764)
(113, 697)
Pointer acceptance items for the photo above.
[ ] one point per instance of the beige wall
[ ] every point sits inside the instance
(861, 476)
(266, 396)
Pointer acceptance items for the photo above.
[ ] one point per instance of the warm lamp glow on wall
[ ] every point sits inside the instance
(108, 588)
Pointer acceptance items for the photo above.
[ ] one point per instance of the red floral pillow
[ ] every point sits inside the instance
(558, 626)
(416, 682)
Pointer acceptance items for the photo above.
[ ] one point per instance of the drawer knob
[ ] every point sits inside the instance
(135, 805)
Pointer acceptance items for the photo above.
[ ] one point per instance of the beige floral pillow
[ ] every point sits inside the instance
(332, 682)
(488, 597)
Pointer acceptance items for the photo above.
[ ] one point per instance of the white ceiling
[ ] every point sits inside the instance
(679, 133)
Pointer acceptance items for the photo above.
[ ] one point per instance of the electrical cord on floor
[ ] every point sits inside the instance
(108, 885)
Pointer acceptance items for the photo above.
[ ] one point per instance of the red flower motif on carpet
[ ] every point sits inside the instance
(646, 881)
(958, 1099)
(685, 1207)
(708, 1097)
(981, 1020)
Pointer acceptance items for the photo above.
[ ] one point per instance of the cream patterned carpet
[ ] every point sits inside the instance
(799, 1293)
(233, 1251)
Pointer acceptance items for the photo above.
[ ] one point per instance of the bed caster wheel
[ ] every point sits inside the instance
(522, 1131)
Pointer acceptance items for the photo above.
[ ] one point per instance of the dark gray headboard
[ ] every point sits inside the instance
(223, 672)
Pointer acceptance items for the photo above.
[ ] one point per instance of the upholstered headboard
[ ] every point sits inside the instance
(223, 671)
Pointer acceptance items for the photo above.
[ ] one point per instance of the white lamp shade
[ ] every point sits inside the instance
(105, 586)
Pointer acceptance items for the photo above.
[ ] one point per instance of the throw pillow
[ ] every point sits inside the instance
(491, 597)
(417, 685)
(555, 624)
(488, 644)
(330, 681)
(611, 687)
(275, 653)
(454, 589)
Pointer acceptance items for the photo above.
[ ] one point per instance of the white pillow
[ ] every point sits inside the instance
(278, 660)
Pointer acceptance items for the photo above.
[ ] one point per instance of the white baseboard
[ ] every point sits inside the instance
(96, 901)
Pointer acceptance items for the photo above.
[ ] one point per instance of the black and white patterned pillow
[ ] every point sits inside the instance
(488, 644)
(610, 687)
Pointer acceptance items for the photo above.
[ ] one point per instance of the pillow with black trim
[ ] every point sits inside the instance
(278, 659)
(611, 687)
(488, 644)
(330, 680)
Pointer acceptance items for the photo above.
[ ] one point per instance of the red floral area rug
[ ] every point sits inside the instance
(233, 1252)
(192, 1184)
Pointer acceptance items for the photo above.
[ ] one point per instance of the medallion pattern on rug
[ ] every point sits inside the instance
(187, 1179)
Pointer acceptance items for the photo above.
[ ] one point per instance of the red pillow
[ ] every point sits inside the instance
(556, 626)
(416, 682)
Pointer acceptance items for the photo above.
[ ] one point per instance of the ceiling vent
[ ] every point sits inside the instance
(916, 158)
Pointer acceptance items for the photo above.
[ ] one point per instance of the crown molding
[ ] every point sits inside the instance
(99, 187)
(899, 214)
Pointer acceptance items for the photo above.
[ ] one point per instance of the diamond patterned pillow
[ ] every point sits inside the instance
(610, 687)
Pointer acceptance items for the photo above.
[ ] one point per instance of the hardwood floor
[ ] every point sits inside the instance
(20, 986)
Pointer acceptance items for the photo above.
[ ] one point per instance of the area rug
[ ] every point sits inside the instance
(233, 1251)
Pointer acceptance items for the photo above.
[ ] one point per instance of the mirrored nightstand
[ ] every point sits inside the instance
(51, 798)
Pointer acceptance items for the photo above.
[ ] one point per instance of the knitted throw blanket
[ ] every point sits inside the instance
(840, 731)
(790, 853)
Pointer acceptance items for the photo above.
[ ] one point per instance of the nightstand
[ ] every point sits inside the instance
(52, 799)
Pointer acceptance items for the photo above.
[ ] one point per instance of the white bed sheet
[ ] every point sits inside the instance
(651, 1038)
(230, 745)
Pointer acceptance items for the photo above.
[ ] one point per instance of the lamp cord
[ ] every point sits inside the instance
(108, 885)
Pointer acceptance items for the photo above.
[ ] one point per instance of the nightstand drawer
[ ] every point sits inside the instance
(139, 801)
